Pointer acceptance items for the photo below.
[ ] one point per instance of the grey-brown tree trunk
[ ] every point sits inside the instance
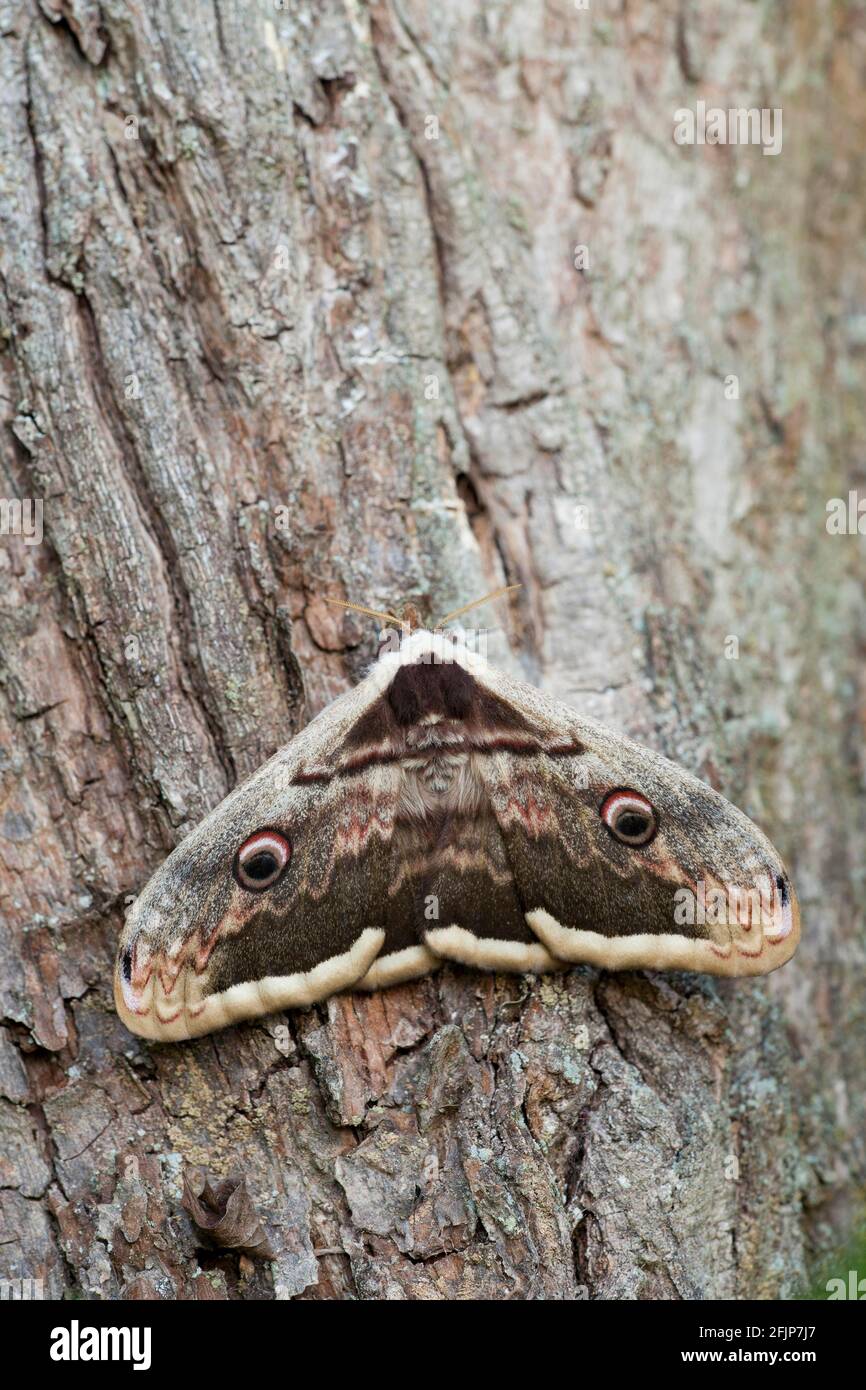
(290, 307)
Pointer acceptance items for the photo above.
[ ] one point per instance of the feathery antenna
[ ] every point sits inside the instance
(477, 602)
(371, 612)
(410, 620)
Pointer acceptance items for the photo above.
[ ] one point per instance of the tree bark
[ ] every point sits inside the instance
(290, 308)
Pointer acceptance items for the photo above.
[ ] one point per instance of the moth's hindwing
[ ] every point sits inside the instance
(444, 811)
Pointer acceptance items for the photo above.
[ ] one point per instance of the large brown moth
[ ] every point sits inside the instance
(443, 811)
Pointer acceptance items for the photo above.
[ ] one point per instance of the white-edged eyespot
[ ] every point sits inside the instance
(261, 860)
(629, 817)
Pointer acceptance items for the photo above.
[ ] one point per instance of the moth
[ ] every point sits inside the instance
(443, 811)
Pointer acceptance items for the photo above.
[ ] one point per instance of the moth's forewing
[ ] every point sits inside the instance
(708, 892)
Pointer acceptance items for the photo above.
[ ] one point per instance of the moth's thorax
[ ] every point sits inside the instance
(426, 681)
(406, 646)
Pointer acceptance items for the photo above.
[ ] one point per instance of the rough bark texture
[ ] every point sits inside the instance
(268, 334)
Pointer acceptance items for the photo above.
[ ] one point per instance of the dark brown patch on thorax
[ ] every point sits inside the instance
(444, 694)
(445, 689)
(426, 689)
